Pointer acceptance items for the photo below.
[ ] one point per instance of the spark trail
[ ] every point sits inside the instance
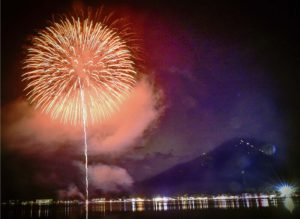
(85, 149)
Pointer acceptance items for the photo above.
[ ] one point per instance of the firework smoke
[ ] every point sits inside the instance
(32, 133)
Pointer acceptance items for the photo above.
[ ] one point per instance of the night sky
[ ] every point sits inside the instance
(213, 72)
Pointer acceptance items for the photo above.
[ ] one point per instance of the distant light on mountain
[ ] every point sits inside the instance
(237, 165)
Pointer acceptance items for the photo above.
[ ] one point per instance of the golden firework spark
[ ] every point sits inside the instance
(80, 52)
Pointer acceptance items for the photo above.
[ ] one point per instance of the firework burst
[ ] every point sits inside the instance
(81, 52)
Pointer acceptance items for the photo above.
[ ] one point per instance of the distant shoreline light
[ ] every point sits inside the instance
(286, 190)
(283, 190)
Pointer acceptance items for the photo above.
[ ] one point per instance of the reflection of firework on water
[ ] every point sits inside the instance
(81, 51)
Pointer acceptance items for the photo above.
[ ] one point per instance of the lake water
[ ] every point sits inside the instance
(253, 208)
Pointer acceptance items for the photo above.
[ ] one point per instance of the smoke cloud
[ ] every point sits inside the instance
(31, 131)
(28, 131)
(109, 178)
(71, 192)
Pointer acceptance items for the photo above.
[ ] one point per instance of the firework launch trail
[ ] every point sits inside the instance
(80, 69)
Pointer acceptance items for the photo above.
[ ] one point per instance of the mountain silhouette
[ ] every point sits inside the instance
(238, 165)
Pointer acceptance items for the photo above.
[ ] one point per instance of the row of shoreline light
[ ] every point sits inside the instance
(155, 199)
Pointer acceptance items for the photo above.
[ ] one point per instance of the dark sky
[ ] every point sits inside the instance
(224, 70)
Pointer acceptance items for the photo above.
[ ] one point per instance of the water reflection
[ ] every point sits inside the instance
(140, 206)
(155, 204)
(289, 204)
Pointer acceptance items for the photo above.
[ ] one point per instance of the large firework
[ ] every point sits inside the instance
(81, 54)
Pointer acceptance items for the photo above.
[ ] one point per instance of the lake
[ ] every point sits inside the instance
(218, 207)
